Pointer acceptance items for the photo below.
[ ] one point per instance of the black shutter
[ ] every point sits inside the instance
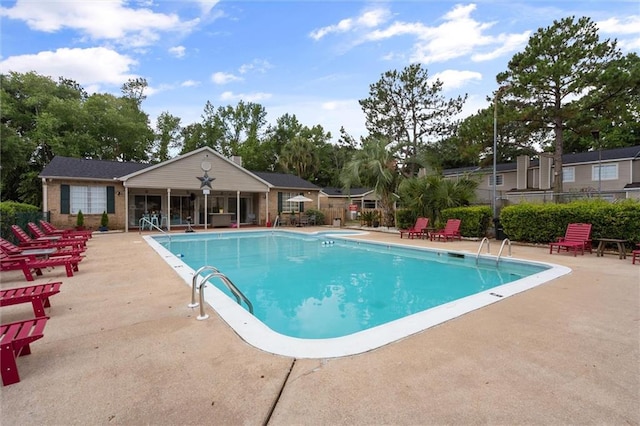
(111, 199)
(65, 199)
(279, 202)
(301, 204)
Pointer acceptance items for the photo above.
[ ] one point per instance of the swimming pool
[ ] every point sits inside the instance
(323, 295)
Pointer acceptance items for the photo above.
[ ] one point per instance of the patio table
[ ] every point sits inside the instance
(622, 254)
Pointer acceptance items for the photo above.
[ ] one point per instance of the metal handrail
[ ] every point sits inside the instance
(505, 241)
(231, 286)
(193, 303)
(147, 221)
(480, 248)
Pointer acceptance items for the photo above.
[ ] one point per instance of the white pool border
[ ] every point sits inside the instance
(256, 333)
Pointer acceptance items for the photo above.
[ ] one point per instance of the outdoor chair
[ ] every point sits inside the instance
(635, 254)
(417, 229)
(38, 233)
(26, 241)
(37, 295)
(15, 339)
(26, 264)
(10, 249)
(49, 229)
(451, 231)
(576, 237)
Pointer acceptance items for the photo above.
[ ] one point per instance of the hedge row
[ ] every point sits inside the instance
(542, 223)
(12, 212)
(475, 220)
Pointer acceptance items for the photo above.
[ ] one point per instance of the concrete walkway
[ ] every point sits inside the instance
(122, 347)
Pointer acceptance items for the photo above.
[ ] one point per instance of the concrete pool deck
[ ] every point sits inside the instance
(122, 347)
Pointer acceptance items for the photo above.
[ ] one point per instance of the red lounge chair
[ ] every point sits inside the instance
(576, 237)
(26, 264)
(27, 241)
(39, 233)
(15, 338)
(38, 295)
(418, 228)
(49, 229)
(11, 249)
(451, 231)
(635, 254)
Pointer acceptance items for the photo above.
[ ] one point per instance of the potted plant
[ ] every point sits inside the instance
(80, 221)
(104, 222)
(376, 219)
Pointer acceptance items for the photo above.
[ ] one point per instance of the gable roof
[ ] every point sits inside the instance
(339, 192)
(285, 180)
(82, 168)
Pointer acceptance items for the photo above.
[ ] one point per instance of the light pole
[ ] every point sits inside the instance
(494, 196)
(596, 138)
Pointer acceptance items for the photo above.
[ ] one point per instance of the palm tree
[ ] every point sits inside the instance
(300, 156)
(429, 195)
(376, 167)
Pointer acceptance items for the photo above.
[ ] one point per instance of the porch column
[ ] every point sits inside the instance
(238, 209)
(126, 208)
(167, 211)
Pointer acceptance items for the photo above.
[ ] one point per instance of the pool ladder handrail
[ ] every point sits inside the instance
(480, 248)
(230, 285)
(505, 241)
(147, 221)
(193, 303)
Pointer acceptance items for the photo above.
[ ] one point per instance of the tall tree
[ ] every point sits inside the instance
(167, 135)
(560, 65)
(407, 109)
(376, 167)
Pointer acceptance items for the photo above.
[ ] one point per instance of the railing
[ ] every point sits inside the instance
(147, 221)
(194, 280)
(240, 297)
(505, 241)
(485, 239)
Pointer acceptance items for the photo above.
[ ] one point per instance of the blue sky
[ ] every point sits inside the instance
(314, 59)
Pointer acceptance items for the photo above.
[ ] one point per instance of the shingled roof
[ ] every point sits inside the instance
(82, 168)
(284, 180)
(339, 192)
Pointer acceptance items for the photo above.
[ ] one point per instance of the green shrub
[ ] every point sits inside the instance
(319, 215)
(104, 220)
(405, 218)
(80, 219)
(14, 213)
(475, 220)
(542, 223)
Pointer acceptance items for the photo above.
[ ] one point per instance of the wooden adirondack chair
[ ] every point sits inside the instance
(576, 237)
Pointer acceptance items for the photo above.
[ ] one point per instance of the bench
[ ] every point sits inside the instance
(577, 236)
(38, 295)
(15, 339)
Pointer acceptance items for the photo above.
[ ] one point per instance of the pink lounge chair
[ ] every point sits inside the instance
(49, 229)
(36, 232)
(37, 295)
(576, 237)
(451, 231)
(418, 228)
(15, 339)
(26, 264)
(27, 241)
(34, 251)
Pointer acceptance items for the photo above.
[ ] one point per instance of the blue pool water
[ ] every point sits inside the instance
(324, 286)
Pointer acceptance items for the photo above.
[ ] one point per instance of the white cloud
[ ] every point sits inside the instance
(246, 97)
(259, 65)
(190, 83)
(453, 79)
(177, 51)
(94, 66)
(97, 20)
(368, 19)
(224, 78)
(628, 25)
(207, 5)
